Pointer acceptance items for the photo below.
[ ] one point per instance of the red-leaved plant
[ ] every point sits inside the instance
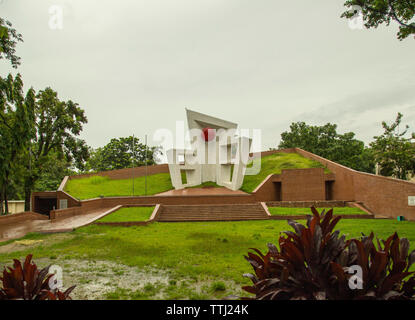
(27, 282)
(313, 263)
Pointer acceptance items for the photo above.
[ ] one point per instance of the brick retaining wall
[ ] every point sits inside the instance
(20, 217)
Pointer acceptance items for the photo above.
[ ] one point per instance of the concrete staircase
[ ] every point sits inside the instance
(209, 212)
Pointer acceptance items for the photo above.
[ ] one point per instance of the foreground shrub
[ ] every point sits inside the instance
(27, 282)
(315, 263)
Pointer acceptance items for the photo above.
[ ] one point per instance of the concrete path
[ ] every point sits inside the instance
(18, 230)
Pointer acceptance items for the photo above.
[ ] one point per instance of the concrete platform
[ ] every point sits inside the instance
(208, 191)
(19, 229)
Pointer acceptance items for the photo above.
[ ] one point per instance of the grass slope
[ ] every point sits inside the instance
(129, 215)
(282, 211)
(273, 164)
(96, 186)
(202, 251)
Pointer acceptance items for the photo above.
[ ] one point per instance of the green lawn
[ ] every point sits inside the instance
(273, 164)
(129, 215)
(204, 253)
(96, 186)
(282, 211)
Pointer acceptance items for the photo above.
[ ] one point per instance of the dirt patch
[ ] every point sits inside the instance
(20, 245)
(94, 280)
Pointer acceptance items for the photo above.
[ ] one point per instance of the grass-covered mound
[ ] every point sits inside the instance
(274, 164)
(283, 211)
(96, 186)
(129, 215)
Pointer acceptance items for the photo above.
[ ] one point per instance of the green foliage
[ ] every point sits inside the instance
(119, 153)
(327, 143)
(9, 37)
(58, 124)
(282, 211)
(54, 169)
(56, 127)
(38, 141)
(313, 262)
(129, 215)
(16, 129)
(377, 12)
(273, 164)
(93, 187)
(394, 153)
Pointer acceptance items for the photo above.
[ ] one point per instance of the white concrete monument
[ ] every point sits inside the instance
(217, 154)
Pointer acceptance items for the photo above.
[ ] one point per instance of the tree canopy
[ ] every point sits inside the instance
(326, 142)
(119, 153)
(56, 127)
(394, 152)
(16, 129)
(9, 37)
(377, 12)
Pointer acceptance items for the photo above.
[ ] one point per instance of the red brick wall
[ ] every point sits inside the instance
(382, 195)
(65, 213)
(177, 200)
(343, 186)
(388, 197)
(267, 190)
(72, 202)
(303, 184)
(21, 217)
(308, 204)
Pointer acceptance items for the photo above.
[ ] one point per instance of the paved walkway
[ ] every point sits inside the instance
(18, 230)
(208, 191)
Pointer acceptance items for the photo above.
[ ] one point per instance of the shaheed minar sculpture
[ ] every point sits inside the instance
(216, 154)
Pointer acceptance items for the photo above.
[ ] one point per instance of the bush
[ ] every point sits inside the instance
(28, 283)
(314, 262)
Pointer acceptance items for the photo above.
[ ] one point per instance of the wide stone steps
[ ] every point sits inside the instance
(225, 212)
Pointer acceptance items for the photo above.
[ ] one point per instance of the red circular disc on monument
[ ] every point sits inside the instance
(208, 134)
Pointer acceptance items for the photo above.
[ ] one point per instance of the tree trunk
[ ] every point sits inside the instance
(29, 183)
(1, 203)
(6, 204)
(27, 198)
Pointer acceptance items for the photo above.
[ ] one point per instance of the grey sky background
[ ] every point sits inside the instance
(134, 65)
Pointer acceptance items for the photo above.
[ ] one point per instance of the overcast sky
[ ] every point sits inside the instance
(134, 65)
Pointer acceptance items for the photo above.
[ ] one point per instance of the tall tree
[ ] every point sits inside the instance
(377, 12)
(9, 37)
(393, 151)
(326, 142)
(57, 125)
(16, 128)
(119, 153)
(54, 170)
